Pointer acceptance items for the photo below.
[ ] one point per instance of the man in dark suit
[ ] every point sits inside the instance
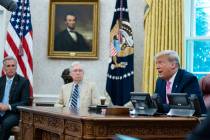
(69, 39)
(14, 91)
(172, 79)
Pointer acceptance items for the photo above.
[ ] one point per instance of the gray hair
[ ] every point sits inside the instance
(75, 63)
(9, 58)
(170, 54)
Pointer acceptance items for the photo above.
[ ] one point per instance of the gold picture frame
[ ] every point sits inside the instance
(61, 42)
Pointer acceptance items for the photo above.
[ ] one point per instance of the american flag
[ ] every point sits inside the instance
(113, 50)
(19, 43)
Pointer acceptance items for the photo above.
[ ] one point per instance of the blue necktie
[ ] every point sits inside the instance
(5, 99)
(74, 98)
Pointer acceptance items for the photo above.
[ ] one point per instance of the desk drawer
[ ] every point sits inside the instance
(51, 124)
(73, 128)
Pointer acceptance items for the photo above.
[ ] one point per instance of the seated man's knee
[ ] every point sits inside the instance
(7, 124)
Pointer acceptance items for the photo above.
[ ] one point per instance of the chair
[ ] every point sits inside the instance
(66, 76)
(15, 131)
(205, 88)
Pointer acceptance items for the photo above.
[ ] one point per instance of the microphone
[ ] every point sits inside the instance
(10, 5)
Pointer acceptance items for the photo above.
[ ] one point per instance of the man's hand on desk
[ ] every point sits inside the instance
(4, 107)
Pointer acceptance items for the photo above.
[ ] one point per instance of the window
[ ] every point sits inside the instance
(197, 36)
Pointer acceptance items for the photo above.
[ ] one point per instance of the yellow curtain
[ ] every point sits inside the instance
(163, 23)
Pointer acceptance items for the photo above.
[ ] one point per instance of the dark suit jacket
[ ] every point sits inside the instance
(64, 42)
(201, 132)
(184, 82)
(19, 92)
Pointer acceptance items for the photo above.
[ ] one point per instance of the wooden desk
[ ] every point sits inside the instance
(49, 123)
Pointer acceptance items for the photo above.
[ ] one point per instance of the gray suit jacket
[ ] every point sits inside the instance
(88, 95)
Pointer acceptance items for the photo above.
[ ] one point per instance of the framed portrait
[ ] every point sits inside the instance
(73, 29)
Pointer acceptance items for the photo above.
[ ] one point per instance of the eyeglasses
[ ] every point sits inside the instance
(13, 65)
(77, 70)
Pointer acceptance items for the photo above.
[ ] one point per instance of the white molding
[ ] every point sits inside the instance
(189, 50)
(204, 6)
(187, 17)
(46, 98)
(198, 38)
(201, 72)
(187, 27)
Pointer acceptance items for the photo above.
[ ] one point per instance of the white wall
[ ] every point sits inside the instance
(4, 15)
(47, 72)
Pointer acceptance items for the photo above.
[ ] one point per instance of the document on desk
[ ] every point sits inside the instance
(181, 112)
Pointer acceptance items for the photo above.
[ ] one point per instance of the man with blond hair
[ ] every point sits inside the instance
(173, 79)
